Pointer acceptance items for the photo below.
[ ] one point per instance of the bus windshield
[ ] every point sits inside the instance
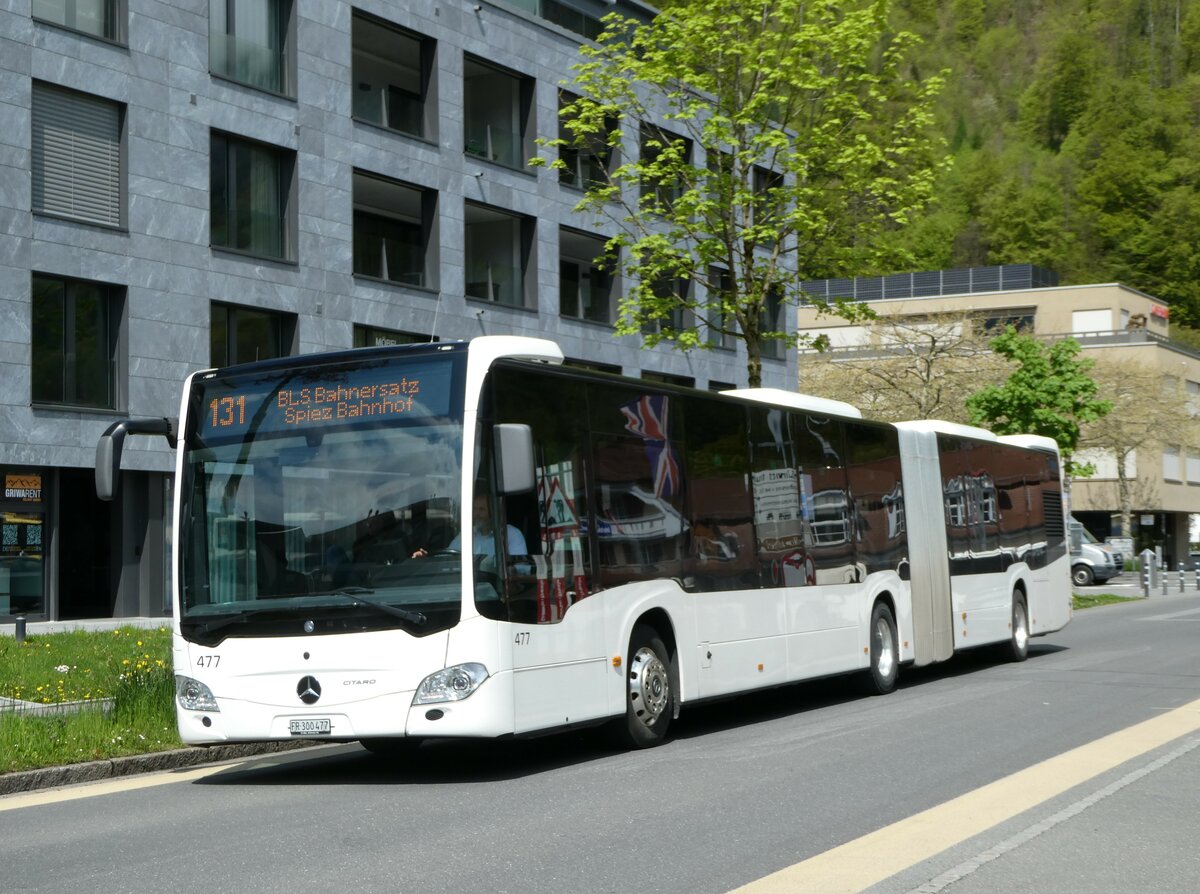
(307, 490)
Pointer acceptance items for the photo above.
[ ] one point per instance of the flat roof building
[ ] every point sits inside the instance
(1109, 320)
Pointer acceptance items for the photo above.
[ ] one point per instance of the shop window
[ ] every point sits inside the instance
(249, 42)
(75, 328)
(22, 561)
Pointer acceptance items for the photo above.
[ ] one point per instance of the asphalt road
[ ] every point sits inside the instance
(1077, 770)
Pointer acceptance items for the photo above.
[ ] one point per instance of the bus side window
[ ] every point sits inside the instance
(720, 555)
(552, 518)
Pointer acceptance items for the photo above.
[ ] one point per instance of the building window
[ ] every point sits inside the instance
(586, 163)
(76, 155)
(668, 379)
(75, 327)
(499, 250)
(392, 76)
(497, 114)
(719, 324)
(249, 42)
(661, 147)
(393, 227)
(100, 18)
(374, 337)
(773, 320)
(676, 319)
(251, 196)
(1170, 467)
(1193, 466)
(247, 334)
(585, 280)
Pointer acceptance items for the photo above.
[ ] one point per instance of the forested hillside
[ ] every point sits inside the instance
(1074, 127)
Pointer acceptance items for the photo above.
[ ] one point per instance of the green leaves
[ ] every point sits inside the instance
(1049, 393)
(771, 142)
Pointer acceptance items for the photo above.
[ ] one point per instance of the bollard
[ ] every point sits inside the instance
(20, 628)
(1146, 579)
(1164, 573)
(1181, 570)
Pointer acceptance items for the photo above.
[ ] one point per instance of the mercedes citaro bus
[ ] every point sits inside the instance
(471, 539)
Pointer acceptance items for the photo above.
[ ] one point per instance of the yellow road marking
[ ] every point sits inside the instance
(868, 860)
(107, 787)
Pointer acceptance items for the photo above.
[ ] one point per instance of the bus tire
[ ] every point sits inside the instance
(1018, 644)
(885, 654)
(649, 691)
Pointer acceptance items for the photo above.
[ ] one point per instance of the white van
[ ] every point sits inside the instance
(1092, 562)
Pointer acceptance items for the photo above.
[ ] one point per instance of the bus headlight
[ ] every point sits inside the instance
(194, 695)
(450, 685)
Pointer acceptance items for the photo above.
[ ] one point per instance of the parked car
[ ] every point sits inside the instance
(1092, 562)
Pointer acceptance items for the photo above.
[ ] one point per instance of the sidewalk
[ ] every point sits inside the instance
(37, 628)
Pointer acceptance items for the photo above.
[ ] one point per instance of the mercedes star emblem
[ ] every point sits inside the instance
(309, 690)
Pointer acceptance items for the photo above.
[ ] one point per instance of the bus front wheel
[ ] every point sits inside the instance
(649, 696)
(885, 655)
(1018, 645)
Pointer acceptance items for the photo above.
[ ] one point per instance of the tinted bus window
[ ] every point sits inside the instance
(779, 508)
(720, 554)
(820, 459)
(878, 498)
(553, 518)
(637, 495)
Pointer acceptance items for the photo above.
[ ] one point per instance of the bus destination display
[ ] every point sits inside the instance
(278, 402)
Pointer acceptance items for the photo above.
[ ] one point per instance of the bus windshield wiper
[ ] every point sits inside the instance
(357, 595)
(220, 622)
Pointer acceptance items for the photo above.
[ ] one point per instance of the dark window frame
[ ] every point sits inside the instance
(114, 302)
(115, 28)
(233, 216)
(425, 99)
(286, 332)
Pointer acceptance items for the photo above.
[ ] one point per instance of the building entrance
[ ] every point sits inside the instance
(85, 544)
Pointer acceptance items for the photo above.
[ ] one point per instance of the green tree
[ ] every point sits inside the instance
(1049, 393)
(779, 139)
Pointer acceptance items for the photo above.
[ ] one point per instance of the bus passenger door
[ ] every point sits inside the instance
(555, 626)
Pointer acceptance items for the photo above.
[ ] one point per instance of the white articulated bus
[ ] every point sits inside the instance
(473, 540)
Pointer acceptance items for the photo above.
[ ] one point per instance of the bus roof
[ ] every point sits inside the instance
(796, 401)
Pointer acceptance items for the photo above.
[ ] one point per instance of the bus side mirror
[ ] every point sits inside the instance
(108, 449)
(514, 457)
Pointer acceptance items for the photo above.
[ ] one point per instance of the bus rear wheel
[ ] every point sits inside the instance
(885, 655)
(649, 693)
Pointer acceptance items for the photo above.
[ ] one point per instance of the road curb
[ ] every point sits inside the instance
(73, 774)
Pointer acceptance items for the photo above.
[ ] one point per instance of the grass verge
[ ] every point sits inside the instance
(130, 666)
(1093, 599)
